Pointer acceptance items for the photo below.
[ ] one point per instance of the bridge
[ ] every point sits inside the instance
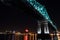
(42, 26)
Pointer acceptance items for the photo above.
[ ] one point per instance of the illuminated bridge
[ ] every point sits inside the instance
(42, 10)
(43, 26)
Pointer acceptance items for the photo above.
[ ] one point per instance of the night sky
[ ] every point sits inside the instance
(19, 16)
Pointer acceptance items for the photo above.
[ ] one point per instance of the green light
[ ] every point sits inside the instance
(41, 9)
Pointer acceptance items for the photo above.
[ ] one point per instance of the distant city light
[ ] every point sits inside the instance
(26, 30)
(26, 37)
(13, 31)
(18, 33)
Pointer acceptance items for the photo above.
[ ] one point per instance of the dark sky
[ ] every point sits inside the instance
(19, 16)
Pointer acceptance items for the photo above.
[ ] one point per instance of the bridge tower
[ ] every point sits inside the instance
(43, 30)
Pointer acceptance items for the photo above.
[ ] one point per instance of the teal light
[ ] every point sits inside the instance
(41, 9)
